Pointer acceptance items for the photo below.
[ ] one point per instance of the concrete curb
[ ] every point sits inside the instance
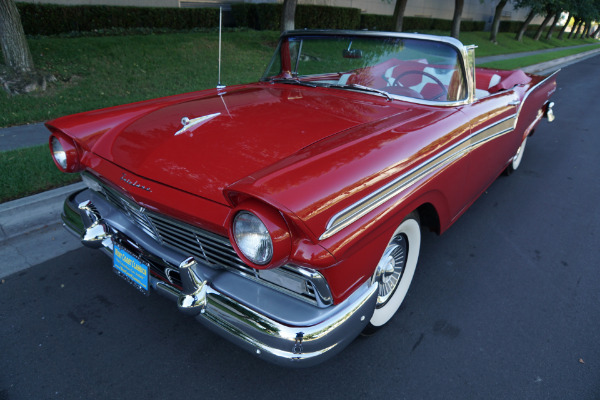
(559, 62)
(23, 216)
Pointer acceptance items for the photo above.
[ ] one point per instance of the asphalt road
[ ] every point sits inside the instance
(505, 305)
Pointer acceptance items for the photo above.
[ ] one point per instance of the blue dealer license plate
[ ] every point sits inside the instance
(127, 266)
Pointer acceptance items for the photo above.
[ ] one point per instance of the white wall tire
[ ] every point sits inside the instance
(390, 298)
(516, 160)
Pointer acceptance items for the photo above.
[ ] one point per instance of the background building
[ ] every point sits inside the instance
(475, 10)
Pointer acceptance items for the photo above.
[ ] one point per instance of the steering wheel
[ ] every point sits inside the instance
(426, 74)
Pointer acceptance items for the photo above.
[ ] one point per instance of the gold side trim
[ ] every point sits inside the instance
(357, 210)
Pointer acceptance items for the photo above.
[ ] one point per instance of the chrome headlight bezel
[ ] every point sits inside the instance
(64, 152)
(58, 152)
(252, 238)
(269, 227)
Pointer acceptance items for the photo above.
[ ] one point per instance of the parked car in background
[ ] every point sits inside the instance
(286, 214)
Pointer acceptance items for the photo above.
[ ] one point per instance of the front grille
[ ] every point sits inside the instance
(133, 210)
(199, 243)
(187, 239)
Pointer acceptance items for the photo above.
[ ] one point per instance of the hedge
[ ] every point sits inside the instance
(267, 16)
(416, 24)
(51, 19)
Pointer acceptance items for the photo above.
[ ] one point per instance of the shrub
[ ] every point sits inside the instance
(416, 24)
(51, 19)
(267, 16)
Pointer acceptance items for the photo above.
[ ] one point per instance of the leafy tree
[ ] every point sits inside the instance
(458, 9)
(547, 19)
(288, 15)
(575, 27)
(523, 29)
(399, 14)
(564, 28)
(553, 26)
(18, 74)
(541, 7)
(496, 21)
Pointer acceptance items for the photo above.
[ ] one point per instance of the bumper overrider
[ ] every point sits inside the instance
(266, 322)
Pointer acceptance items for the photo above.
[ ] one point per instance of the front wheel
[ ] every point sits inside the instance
(395, 271)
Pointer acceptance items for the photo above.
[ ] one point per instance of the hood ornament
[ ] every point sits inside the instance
(192, 123)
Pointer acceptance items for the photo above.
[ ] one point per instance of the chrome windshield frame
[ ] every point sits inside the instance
(466, 59)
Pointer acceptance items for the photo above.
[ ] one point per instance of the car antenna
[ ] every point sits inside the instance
(219, 85)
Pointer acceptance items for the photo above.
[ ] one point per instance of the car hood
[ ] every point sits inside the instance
(231, 134)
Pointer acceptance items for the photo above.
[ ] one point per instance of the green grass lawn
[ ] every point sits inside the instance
(28, 171)
(507, 43)
(536, 59)
(96, 72)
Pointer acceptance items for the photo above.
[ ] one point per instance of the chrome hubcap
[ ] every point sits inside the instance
(390, 268)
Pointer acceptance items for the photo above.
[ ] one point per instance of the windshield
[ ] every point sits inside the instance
(415, 68)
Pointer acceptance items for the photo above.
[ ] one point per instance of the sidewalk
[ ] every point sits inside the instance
(17, 137)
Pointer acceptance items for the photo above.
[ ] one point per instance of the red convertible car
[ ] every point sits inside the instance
(286, 214)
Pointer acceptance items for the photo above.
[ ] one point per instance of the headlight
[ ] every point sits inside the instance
(64, 151)
(260, 235)
(252, 238)
(58, 152)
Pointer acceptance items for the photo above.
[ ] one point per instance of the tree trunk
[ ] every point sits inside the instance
(562, 31)
(15, 49)
(540, 30)
(553, 26)
(585, 30)
(575, 27)
(526, 23)
(399, 14)
(288, 15)
(458, 9)
(580, 29)
(496, 22)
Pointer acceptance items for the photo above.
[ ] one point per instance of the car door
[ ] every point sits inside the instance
(493, 140)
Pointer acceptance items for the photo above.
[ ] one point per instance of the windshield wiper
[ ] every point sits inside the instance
(292, 81)
(354, 86)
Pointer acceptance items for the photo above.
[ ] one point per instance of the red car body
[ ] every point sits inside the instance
(331, 172)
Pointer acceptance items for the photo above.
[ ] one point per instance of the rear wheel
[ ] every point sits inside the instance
(395, 271)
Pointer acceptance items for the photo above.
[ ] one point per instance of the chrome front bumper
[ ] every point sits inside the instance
(269, 324)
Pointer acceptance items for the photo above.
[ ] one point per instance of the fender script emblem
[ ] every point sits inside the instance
(191, 123)
(134, 183)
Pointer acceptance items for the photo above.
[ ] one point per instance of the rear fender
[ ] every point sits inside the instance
(534, 104)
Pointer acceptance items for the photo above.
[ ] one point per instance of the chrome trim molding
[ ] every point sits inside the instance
(357, 210)
(469, 57)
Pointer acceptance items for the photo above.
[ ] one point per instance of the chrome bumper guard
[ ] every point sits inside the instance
(549, 113)
(267, 323)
